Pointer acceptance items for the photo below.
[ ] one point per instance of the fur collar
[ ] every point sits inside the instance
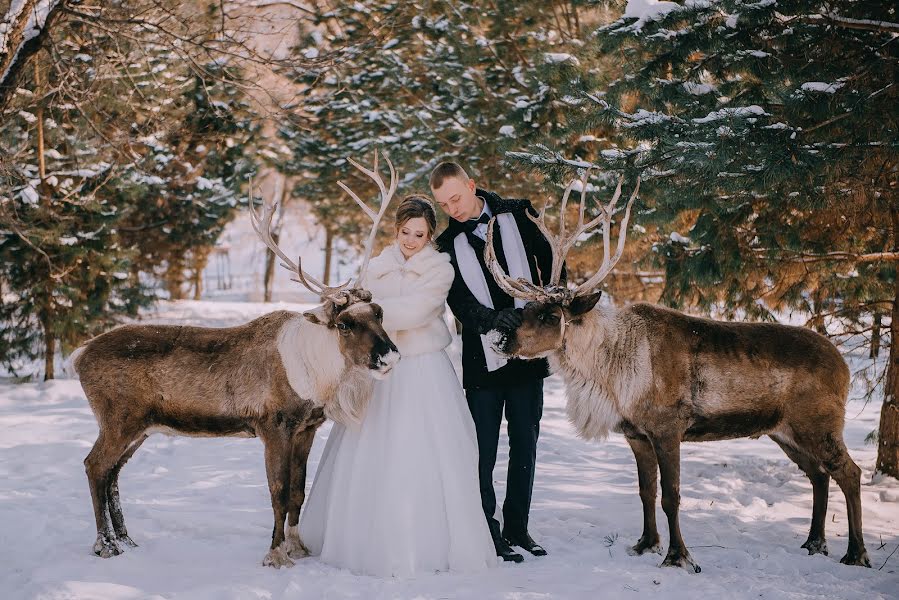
(392, 259)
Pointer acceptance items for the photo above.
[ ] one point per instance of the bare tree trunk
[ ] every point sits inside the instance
(329, 252)
(17, 50)
(200, 260)
(817, 309)
(888, 434)
(174, 279)
(269, 277)
(49, 349)
(875, 335)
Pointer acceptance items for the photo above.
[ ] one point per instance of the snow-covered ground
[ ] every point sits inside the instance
(199, 508)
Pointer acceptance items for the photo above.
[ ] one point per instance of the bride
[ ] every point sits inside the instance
(398, 495)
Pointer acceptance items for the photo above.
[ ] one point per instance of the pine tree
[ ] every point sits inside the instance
(65, 273)
(187, 185)
(770, 130)
(425, 82)
(131, 167)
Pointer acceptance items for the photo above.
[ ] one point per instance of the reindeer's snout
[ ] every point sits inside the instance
(501, 341)
(384, 356)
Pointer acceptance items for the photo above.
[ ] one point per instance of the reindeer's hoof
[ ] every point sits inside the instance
(644, 546)
(105, 547)
(684, 561)
(316, 417)
(859, 559)
(295, 546)
(277, 557)
(816, 546)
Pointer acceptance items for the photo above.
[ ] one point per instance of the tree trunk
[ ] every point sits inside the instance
(197, 282)
(49, 350)
(875, 335)
(269, 278)
(17, 51)
(888, 434)
(174, 279)
(201, 259)
(817, 321)
(329, 252)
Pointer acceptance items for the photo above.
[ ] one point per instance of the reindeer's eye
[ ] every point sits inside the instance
(549, 318)
(343, 327)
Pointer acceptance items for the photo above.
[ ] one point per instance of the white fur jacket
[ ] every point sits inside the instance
(413, 295)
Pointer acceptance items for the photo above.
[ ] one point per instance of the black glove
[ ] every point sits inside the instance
(507, 319)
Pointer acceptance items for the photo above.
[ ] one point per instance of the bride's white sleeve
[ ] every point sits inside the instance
(420, 305)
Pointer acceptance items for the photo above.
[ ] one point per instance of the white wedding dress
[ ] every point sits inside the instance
(398, 494)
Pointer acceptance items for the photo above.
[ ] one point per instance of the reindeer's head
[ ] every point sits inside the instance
(346, 310)
(552, 309)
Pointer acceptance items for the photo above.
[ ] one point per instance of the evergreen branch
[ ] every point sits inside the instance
(862, 24)
(804, 257)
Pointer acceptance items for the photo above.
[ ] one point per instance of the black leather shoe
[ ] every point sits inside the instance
(525, 541)
(505, 551)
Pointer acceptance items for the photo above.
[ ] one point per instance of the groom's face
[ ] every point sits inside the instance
(456, 197)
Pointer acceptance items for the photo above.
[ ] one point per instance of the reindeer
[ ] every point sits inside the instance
(661, 377)
(275, 378)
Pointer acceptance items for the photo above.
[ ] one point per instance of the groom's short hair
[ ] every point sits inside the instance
(444, 171)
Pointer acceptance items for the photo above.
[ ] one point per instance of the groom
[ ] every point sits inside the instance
(493, 382)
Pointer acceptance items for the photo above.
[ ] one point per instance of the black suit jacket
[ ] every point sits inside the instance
(478, 319)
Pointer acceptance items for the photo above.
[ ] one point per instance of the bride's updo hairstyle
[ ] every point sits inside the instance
(413, 206)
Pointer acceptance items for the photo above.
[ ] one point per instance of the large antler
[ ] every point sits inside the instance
(561, 244)
(386, 195)
(606, 212)
(262, 226)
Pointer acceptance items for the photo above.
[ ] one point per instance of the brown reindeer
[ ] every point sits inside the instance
(661, 377)
(275, 378)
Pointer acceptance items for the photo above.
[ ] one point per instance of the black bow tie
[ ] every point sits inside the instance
(470, 225)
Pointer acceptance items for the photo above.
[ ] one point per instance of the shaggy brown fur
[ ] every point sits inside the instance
(661, 377)
(237, 381)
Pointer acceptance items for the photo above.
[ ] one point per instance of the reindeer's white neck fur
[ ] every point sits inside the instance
(317, 371)
(605, 363)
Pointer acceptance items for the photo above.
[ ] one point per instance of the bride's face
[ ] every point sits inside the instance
(412, 236)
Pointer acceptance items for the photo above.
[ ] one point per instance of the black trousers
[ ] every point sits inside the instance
(524, 406)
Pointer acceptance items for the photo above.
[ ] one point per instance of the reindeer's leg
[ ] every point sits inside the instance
(667, 449)
(831, 451)
(98, 465)
(299, 455)
(647, 473)
(112, 494)
(276, 439)
(816, 542)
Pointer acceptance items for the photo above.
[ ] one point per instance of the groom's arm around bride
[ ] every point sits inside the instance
(494, 385)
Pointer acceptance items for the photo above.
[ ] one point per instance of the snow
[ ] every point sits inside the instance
(678, 238)
(821, 86)
(29, 195)
(647, 10)
(507, 130)
(200, 510)
(729, 113)
(560, 58)
(697, 89)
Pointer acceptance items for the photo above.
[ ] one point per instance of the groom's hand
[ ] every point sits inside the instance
(507, 319)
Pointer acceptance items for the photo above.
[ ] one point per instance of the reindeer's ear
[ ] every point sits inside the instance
(582, 304)
(320, 315)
